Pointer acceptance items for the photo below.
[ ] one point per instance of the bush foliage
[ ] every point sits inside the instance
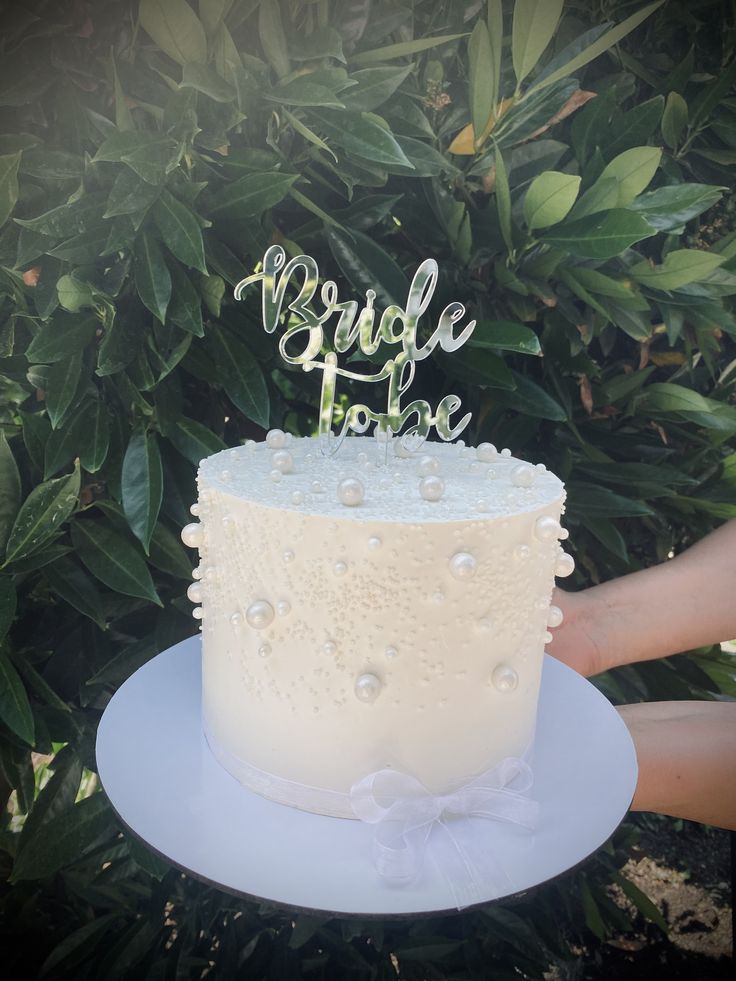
(572, 172)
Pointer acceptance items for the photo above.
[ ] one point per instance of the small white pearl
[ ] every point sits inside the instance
(316, 487)
(547, 637)
(565, 565)
(259, 614)
(275, 439)
(275, 476)
(481, 505)
(554, 616)
(250, 445)
(563, 534)
(194, 592)
(368, 688)
(431, 488)
(340, 568)
(236, 619)
(225, 475)
(522, 552)
(197, 612)
(192, 534)
(484, 624)
(504, 678)
(547, 528)
(297, 498)
(540, 468)
(196, 573)
(288, 438)
(374, 542)
(288, 555)
(486, 452)
(194, 509)
(329, 647)
(264, 650)
(463, 565)
(428, 465)
(522, 476)
(391, 652)
(227, 520)
(283, 607)
(493, 473)
(350, 492)
(505, 451)
(283, 460)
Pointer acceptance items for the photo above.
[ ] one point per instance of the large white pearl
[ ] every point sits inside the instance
(486, 452)
(504, 678)
(283, 461)
(463, 565)
(259, 614)
(522, 476)
(565, 565)
(350, 492)
(275, 439)
(368, 688)
(192, 534)
(428, 465)
(195, 592)
(554, 616)
(431, 488)
(547, 528)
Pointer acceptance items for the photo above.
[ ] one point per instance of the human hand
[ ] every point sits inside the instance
(576, 642)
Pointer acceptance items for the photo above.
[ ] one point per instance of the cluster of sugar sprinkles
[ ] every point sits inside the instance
(373, 483)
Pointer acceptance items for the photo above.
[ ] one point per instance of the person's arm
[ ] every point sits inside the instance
(686, 753)
(685, 602)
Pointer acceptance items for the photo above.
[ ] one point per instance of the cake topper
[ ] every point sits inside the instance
(397, 326)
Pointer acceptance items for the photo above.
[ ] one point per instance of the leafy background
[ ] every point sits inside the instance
(571, 168)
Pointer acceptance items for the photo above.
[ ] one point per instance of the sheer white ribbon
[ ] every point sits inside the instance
(411, 823)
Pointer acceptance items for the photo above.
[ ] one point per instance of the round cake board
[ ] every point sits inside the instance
(165, 785)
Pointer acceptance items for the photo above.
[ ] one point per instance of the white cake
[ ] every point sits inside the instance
(371, 610)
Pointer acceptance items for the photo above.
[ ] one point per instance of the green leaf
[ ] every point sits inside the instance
(151, 156)
(482, 94)
(56, 797)
(67, 836)
(608, 40)
(549, 198)
(679, 268)
(367, 266)
(642, 902)
(204, 79)
(477, 367)
(674, 119)
(359, 134)
(302, 92)
(591, 499)
(272, 37)
(598, 282)
(375, 85)
(130, 195)
(185, 306)
(112, 559)
(632, 170)
(64, 443)
(84, 939)
(152, 278)
(425, 160)
(9, 491)
(669, 208)
(503, 202)
(8, 602)
(632, 127)
(402, 49)
(15, 709)
(74, 295)
(608, 535)
(76, 588)
(535, 22)
(93, 452)
(45, 509)
(168, 554)
(308, 134)
(180, 231)
(193, 440)
(242, 376)
(600, 236)
(251, 195)
(142, 485)
(62, 386)
(175, 28)
(504, 335)
(531, 399)
(8, 184)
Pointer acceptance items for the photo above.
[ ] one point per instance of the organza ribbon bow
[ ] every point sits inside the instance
(410, 821)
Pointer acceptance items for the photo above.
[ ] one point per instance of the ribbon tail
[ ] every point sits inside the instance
(465, 857)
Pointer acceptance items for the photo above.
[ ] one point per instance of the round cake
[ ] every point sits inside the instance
(371, 609)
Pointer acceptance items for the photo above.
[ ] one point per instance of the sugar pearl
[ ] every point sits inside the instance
(428, 465)
(340, 568)
(547, 637)
(225, 475)
(195, 592)
(463, 565)
(259, 614)
(329, 647)
(197, 612)
(350, 492)
(275, 439)
(547, 528)
(297, 498)
(288, 555)
(283, 607)
(554, 616)
(391, 652)
(504, 678)
(236, 619)
(283, 460)
(506, 451)
(316, 487)
(431, 488)
(192, 534)
(194, 509)
(374, 542)
(522, 476)
(264, 650)
(486, 452)
(275, 476)
(522, 552)
(368, 687)
(565, 565)
(196, 573)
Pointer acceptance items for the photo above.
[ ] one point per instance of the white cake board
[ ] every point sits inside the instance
(166, 786)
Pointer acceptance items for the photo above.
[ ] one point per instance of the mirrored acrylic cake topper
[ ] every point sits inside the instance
(397, 326)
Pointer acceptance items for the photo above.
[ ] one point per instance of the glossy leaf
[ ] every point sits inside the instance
(130, 195)
(15, 709)
(8, 184)
(167, 553)
(10, 491)
(671, 207)
(679, 268)
(367, 266)
(204, 79)
(62, 387)
(8, 603)
(482, 76)
(194, 440)
(549, 199)
(299, 92)
(375, 85)
(75, 587)
(152, 277)
(503, 201)
(43, 512)
(93, 451)
(113, 559)
(56, 797)
(273, 38)
(359, 134)
(532, 399)
(533, 28)
(632, 170)
(142, 485)
(250, 195)
(180, 231)
(152, 157)
(401, 50)
(600, 236)
(504, 335)
(242, 376)
(175, 28)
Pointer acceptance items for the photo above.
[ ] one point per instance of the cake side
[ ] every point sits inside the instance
(341, 636)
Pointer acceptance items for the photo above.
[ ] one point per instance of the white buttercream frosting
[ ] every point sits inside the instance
(352, 628)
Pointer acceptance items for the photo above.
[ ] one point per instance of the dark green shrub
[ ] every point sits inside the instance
(146, 161)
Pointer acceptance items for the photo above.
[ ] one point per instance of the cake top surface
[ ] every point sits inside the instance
(365, 480)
